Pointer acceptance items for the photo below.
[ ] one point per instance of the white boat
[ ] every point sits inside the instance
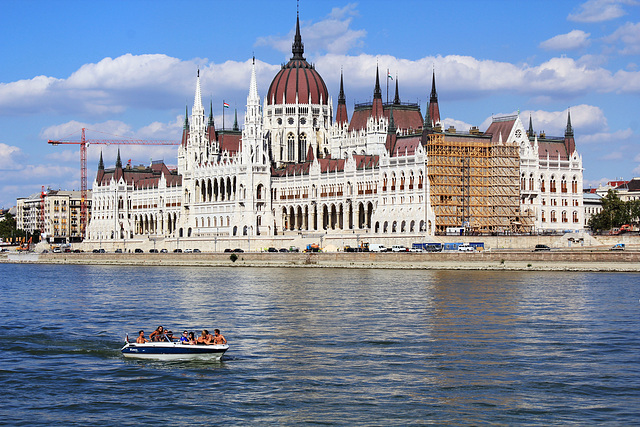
(173, 351)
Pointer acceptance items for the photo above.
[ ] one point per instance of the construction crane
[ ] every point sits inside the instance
(84, 143)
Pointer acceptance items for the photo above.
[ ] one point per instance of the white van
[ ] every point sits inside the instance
(398, 248)
(465, 247)
(376, 247)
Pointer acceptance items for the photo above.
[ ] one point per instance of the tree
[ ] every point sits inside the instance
(7, 226)
(614, 212)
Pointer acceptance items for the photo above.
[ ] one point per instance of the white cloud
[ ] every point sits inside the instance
(575, 39)
(10, 157)
(599, 10)
(629, 35)
(459, 125)
(616, 137)
(330, 35)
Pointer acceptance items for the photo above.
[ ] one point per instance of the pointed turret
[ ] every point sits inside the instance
(377, 93)
(101, 163)
(391, 134)
(235, 121)
(396, 99)
(427, 126)
(341, 112)
(185, 128)
(569, 130)
(118, 161)
(253, 85)
(297, 48)
(377, 110)
(434, 109)
(530, 132)
(569, 141)
(211, 127)
(197, 101)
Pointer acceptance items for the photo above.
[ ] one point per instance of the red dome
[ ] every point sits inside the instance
(299, 78)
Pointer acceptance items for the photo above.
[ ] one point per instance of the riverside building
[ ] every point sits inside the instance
(297, 169)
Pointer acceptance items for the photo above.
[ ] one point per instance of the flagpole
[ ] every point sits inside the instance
(223, 114)
(387, 79)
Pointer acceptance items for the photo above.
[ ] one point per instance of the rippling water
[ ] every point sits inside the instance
(321, 346)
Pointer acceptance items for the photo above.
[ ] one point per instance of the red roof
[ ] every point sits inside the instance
(500, 127)
(148, 177)
(404, 117)
(229, 141)
(300, 78)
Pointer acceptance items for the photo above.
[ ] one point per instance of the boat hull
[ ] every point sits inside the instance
(173, 351)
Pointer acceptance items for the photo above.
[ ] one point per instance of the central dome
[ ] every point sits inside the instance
(298, 79)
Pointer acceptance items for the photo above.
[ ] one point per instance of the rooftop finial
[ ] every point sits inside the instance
(298, 47)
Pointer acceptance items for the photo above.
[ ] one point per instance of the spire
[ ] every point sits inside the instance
(235, 122)
(118, 161)
(434, 94)
(341, 98)
(377, 93)
(392, 124)
(101, 163)
(530, 132)
(253, 86)
(428, 124)
(396, 100)
(210, 114)
(186, 118)
(569, 131)
(298, 47)
(197, 101)
(434, 109)
(341, 111)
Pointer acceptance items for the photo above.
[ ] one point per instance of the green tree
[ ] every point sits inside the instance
(7, 226)
(614, 212)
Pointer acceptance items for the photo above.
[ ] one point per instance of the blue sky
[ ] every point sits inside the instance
(128, 68)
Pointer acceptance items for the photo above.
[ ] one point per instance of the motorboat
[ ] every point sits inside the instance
(165, 350)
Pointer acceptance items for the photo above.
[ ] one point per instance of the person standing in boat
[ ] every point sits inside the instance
(218, 338)
(141, 339)
(158, 335)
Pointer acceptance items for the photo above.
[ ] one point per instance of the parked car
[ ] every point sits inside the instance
(272, 250)
(163, 251)
(95, 251)
(188, 251)
(138, 251)
(153, 251)
(177, 251)
(118, 251)
(196, 251)
(617, 247)
(376, 247)
(542, 248)
(399, 248)
(102, 251)
(238, 250)
(77, 251)
(294, 249)
(466, 248)
(283, 250)
(228, 250)
(416, 250)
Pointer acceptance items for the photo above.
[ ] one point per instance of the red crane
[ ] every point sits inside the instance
(84, 143)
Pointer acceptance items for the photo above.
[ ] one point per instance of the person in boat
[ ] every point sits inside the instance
(169, 335)
(192, 339)
(205, 337)
(184, 339)
(158, 335)
(141, 339)
(218, 338)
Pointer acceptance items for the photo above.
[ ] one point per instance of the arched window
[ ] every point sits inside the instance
(302, 147)
(291, 145)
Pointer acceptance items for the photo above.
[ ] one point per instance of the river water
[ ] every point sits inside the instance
(321, 346)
